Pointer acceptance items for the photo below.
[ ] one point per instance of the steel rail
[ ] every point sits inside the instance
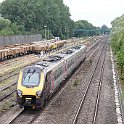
(7, 87)
(84, 96)
(98, 93)
(7, 95)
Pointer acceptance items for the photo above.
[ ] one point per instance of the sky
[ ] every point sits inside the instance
(97, 12)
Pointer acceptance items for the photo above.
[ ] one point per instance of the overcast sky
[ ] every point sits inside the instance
(97, 12)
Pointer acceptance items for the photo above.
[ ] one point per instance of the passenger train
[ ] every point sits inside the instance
(38, 82)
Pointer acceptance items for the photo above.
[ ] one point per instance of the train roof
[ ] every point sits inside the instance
(51, 61)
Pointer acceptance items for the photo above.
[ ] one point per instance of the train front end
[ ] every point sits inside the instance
(29, 87)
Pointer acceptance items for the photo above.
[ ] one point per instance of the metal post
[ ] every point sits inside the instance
(45, 33)
(48, 33)
(45, 26)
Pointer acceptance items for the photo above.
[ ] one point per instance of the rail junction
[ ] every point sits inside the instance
(87, 97)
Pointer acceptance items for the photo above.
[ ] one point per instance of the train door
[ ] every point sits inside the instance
(50, 81)
(47, 85)
(65, 69)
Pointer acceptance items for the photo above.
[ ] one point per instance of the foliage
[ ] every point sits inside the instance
(105, 30)
(8, 28)
(6, 31)
(117, 37)
(35, 15)
(4, 23)
(84, 28)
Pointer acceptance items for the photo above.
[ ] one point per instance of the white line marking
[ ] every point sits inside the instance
(117, 102)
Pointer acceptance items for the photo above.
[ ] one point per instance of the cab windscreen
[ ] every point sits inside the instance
(31, 79)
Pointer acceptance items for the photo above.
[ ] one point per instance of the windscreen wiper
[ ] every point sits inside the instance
(26, 74)
(31, 75)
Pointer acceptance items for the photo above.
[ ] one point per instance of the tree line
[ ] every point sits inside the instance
(117, 38)
(47, 17)
(84, 28)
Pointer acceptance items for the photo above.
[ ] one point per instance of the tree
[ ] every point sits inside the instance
(117, 37)
(4, 23)
(8, 28)
(84, 28)
(105, 29)
(34, 15)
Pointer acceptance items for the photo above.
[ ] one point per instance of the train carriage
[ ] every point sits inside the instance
(37, 82)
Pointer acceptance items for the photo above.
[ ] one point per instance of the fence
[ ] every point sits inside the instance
(19, 39)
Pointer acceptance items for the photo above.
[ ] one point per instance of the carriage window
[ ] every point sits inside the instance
(57, 73)
(70, 63)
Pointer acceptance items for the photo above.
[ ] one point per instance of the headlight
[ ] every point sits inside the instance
(38, 93)
(19, 92)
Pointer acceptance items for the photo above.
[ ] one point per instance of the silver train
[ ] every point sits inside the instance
(37, 83)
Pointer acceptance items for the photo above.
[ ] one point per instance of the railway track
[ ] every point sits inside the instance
(32, 118)
(6, 95)
(87, 89)
(7, 91)
(14, 60)
(14, 66)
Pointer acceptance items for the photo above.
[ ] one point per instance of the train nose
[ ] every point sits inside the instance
(28, 101)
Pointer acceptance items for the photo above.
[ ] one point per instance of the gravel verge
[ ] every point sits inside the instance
(88, 107)
(107, 110)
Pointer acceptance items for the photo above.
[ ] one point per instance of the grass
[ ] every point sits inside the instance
(8, 81)
(6, 104)
(19, 66)
(122, 86)
(76, 82)
(121, 77)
